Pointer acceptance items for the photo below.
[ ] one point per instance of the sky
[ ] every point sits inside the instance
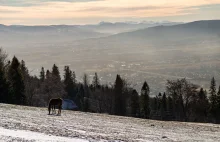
(72, 12)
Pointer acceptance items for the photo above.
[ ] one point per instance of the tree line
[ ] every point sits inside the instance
(182, 101)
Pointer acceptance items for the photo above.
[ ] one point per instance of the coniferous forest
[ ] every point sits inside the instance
(182, 101)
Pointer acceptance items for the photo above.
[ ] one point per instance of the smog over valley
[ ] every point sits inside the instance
(155, 52)
(109, 70)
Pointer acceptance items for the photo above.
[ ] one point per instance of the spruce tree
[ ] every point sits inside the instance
(69, 83)
(17, 86)
(134, 104)
(164, 102)
(119, 103)
(56, 72)
(213, 97)
(202, 105)
(145, 100)
(48, 74)
(4, 88)
(218, 106)
(42, 75)
(74, 77)
(213, 92)
(218, 97)
(85, 80)
(95, 82)
(24, 69)
(170, 105)
(81, 101)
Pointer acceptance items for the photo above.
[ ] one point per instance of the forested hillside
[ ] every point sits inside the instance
(182, 101)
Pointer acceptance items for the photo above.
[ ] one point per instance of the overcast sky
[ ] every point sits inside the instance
(47, 12)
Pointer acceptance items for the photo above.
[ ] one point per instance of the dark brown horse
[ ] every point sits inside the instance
(53, 103)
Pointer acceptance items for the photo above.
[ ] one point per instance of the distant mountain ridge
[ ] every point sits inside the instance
(160, 36)
(119, 27)
(102, 27)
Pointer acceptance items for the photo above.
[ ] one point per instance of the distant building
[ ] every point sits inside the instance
(69, 105)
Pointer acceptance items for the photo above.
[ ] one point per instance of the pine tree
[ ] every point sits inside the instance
(55, 72)
(17, 86)
(134, 104)
(145, 100)
(213, 92)
(95, 82)
(202, 105)
(164, 102)
(74, 77)
(48, 74)
(42, 75)
(69, 83)
(213, 97)
(170, 105)
(218, 97)
(119, 103)
(218, 105)
(81, 100)
(24, 69)
(86, 85)
(85, 80)
(4, 88)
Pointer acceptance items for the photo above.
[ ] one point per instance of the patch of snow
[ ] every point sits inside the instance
(33, 124)
(12, 135)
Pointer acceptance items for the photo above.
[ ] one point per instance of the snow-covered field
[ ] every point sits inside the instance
(19, 123)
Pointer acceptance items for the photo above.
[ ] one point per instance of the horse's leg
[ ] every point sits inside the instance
(54, 109)
(49, 108)
(59, 111)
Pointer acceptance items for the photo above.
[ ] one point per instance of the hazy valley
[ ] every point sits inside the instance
(154, 54)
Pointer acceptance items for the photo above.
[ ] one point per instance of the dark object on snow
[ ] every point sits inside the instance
(164, 137)
(53, 103)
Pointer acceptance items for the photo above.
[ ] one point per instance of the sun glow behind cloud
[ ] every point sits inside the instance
(40, 12)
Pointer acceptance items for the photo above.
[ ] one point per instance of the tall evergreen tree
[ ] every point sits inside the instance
(81, 100)
(4, 88)
(95, 82)
(85, 80)
(202, 106)
(69, 83)
(24, 69)
(164, 102)
(170, 105)
(213, 98)
(56, 72)
(218, 105)
(134, 104)
(145, 100)
(17, 86)
(119, 104)
(218, 97)
(48, 74)
(42, 75)
(74, 77)
(213, 92)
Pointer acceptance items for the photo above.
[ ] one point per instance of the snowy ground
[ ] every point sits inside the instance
(19, 123)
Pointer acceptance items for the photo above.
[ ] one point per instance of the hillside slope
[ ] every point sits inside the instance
(44, 34)
(163, 36)
(100, 127)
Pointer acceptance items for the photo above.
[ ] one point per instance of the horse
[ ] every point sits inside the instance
(53, 103)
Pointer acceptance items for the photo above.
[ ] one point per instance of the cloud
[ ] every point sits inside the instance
(26, 3)
(92, 11)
